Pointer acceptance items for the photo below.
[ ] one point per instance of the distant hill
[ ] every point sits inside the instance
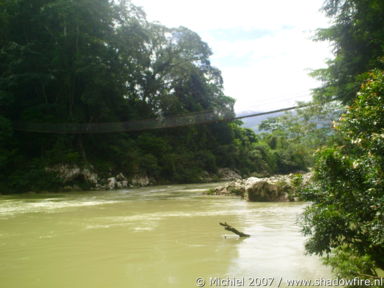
(254, 122)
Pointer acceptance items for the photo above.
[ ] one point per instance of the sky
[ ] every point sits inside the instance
(264, 48)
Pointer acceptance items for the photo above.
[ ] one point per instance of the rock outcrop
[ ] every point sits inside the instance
(140, 180)
(71, 175)
(117, 182)
(77, 178)
(276, 188)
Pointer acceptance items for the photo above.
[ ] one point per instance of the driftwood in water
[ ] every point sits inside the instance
(233, 230)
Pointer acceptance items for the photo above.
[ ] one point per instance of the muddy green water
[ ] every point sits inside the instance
(164, 236)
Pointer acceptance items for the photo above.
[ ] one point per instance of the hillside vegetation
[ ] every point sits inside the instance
(346, 221)
(66, 64)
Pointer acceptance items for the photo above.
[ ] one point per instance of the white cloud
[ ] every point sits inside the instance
(262, 71)
(215, 14)
(276, 69)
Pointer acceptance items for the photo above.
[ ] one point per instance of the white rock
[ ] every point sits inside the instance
(112, 183)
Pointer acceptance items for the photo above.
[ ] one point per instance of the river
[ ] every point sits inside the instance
(163, 236)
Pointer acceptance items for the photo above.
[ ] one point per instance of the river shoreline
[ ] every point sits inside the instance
(76, 178)
(277, 188)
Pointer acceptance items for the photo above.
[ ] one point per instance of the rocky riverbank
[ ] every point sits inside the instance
(74, 177)
(279, 188)
(78, 178)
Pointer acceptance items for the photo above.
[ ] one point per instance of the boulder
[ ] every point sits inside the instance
(117, 182)
(264, 191)
(90, 177)
(121, 177)
(276, 188)
(112, 183)
(140, 180)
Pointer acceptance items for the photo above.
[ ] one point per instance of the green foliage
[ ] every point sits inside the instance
(181, 167)
(347, 196)
(346, 218)
(294, 136)
(98, 61)
(297, 186)
(349, 264)
(32, 178)
(357, 36)
(6, 150)
(206, 160)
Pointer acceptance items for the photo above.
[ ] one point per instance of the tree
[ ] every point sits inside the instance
(345, 221)
(357, 36)
(295, 136)
(97, 61)
(346, 218)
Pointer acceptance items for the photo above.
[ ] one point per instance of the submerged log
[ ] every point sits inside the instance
(233, 230)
